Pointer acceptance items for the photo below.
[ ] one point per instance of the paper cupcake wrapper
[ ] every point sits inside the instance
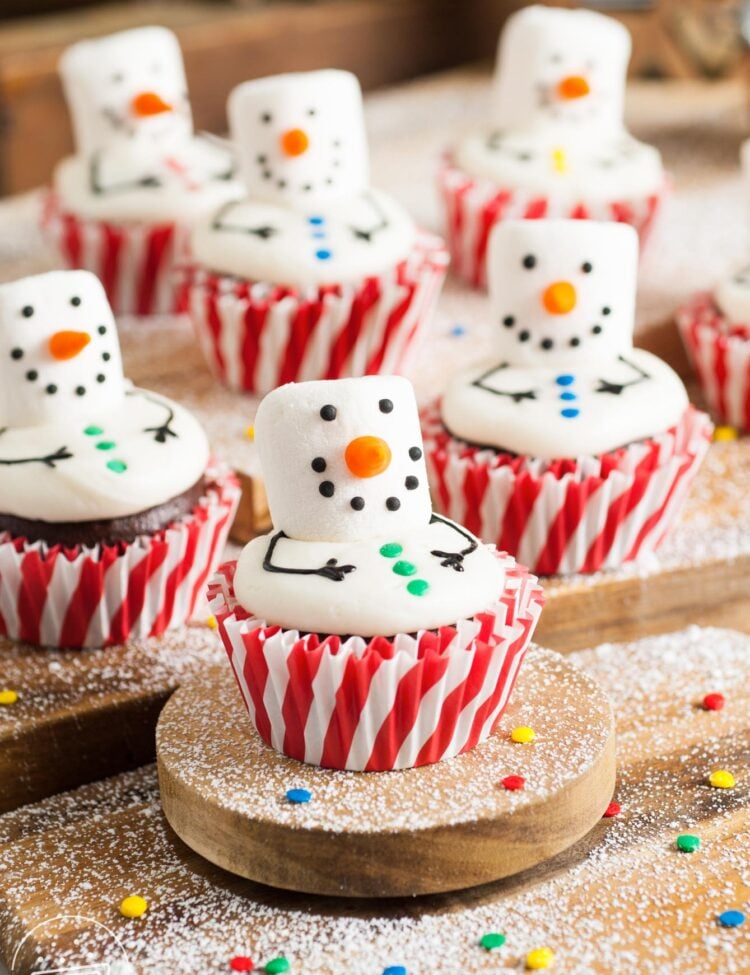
(379, 704)
(567, 516)
(473, 206)
(134, 261)
(257, 336)
(94, 597)
(719, 352)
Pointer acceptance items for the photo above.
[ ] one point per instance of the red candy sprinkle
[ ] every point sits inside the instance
(713, 702)
(513, 783)
(613, 809)
(241, 963)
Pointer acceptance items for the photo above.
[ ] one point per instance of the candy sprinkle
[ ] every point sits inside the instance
(522, 734)
(241, 963)
(277, 966)
(725, 434)
(298, 796)
(211, 623)
(721, 779)
(8, 697)
(540, 958)
(395, 970)
(688, 843)
(513, 783)
(613, 809)
(457, 331)
(492, 941)
(133, 906)
(713, 702)
(731, 919)
(250, 432)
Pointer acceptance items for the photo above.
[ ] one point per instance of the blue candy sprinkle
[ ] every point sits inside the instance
(316, 221)
(395, 970)
(568, 396)
(323, 255)
(569, 412)
(298, 795)
(731, 919)
(565, 380)
(458, 330)
(319, 234)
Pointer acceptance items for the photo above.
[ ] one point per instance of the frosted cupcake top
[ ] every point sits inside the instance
(562, 378)
(557, 116)
(309, 216)
(137, 157)
(355, 548)
(77, 441)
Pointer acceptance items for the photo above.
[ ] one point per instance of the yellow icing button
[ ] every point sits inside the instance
(522, 734)
(721, 779)
(211, 623)
(725, 434)
(250, 432)
(8, 697)
(133, 906)
(540, 958)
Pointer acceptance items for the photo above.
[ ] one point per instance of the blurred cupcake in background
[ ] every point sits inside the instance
(555, 145)
(121, 206)
(314, 274)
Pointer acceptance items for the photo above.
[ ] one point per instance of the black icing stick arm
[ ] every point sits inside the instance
(518, 396)
(264, 231)
(331, 570)
(163, 430)
(367, 233)
(100, 189)
(49, 460)
(616, 389)
(454, 560)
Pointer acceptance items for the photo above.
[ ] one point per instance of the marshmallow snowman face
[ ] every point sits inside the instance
(127, 89)
(342, 460)
(59, 352)
(300, 138)
(562, 292)
(561, 69)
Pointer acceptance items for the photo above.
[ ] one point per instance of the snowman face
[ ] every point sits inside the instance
(343, 460)
(127, 89)
(59, 354)
(562, 291)
(300, 138)
(733, 297)
(561, 68)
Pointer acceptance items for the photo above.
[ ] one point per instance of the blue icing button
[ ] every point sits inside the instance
(565, 380)
(323, 254)
(319, 235)
(570, 412)
(568, 396)
(316, 221)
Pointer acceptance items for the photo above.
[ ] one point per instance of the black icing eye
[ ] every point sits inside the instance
(328, 412)
(102, 330)
(529, 261)
(606, 310)
(318, 465)
(27, 311)
(75, 301)
(392, 504)
(386, 406)
(587, 267)
(415, 453)
(326, 489)
(266, 118)
(16, 353)
(357, 503)
(509, 321)
(411, 483)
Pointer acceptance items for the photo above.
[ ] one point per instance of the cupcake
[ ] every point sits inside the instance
(112, 514)
(314, 274)
(365, 631)
(121, 206)
(556, 145)
(566, 446)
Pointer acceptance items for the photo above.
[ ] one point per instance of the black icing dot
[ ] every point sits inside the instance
(415, 453)
(265, 118)
(312, 112)
(318, 465)
(80, 390)
(27, 311)
(547, 344)
(596, 330)
(16, 353)
(587, 267)
(386, 406)
(328, 412)
(102, 330)
(326, 489)
(509, 321)
(261, 159)
(529, 261)
(51, 389)
(411, 483)
(357, 503)
(606, 310)
(75, 301)
(575, 341)
(524, 336)
(31, 375)
(392, 504)
(267, 174)
(281, 183)
(307, 187)
(106, 356)
(101, 378)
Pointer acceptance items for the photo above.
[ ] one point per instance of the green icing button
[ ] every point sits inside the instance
(93, 431)
(276, 966)
(688, 843)
(391, 549)
(402, 568)
(418, 587)
(106, 445)
(492, 940)
(118, 466)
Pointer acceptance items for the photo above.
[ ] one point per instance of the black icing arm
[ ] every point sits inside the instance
(164, 430)
(264, 231)
(100, 189)
(331, 570)
(367, 233)
(454, 560)
(49, 460)
(517, 396)
(616, 389)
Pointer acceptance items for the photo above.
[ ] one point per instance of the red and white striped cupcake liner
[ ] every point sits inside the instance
(135, 261)
(473, 206)
(567, 516)
(719, 352)
(379, 704)
(257, 336)
(98, 596)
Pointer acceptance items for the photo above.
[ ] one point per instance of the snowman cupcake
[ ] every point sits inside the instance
(120, 206)
(567, 446)
(555, 145)
(366, 632)
(111, 512)
(314, 275)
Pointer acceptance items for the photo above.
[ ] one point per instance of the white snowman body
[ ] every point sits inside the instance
(309, 216)
(564, 379)
(355, 547)
(77, 441)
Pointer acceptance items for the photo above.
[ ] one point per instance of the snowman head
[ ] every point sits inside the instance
(561, 69)
(127, 89)
(343, 460)
(59, 353)
(300, 138)
(562, 291)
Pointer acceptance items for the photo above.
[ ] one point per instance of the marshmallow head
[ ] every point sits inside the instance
(559, 68)
(127, 90)
(562, 291)
(342, 460)
(59, 354)
(300, 138)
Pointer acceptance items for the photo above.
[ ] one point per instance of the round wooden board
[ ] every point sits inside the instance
(441, 827)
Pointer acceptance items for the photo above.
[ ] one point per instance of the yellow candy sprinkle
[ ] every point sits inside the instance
(522, 734)
(211, 623)
(725, 434)
(8, 697)
(250, 432)
(559, 160)
(540, 958)
(133, 906)
(721, 779)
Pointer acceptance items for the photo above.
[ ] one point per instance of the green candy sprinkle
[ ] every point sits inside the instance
(418, 587)
(106, 445)
(93, 431)
(276, 966)
(688, 843)
(492, 940)
(118, 466)
(391, 549)
(402, 568)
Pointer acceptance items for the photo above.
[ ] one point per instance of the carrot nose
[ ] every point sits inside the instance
(559, 298)
(367, 456)
(67, 345)
(149, 103)
(294, 142)
(574, 86)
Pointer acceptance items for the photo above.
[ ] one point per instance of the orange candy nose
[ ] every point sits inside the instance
(149, 103)
(294, 142)
(367, 456)
(574, 86)
(559, 298)
(67, 345)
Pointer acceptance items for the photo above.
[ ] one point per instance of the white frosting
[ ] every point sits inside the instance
(77, 441)
(137, 158)
(733, 297)
(564, 379)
